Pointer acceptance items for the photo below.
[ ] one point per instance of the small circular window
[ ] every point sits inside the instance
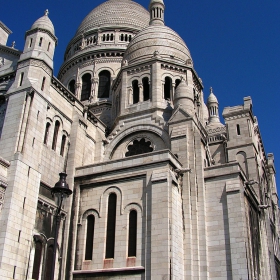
(138, 147)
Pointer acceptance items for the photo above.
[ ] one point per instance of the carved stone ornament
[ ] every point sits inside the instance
(2, 61)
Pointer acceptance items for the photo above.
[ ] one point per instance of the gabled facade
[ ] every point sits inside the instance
(161, 188)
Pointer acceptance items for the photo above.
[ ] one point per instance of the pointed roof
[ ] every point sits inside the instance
(44, 23)
(212, 97)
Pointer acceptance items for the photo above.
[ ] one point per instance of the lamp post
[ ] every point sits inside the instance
(60, 191)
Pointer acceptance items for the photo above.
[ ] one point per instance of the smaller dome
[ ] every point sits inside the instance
(184, 96)
(212, 97)
(44, 23)
(160, 41)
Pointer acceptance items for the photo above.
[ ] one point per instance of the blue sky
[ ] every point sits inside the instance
(234, 46)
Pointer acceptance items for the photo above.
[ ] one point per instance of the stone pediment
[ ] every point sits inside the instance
(179, 115)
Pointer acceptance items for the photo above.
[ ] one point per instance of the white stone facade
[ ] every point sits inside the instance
(161, 188)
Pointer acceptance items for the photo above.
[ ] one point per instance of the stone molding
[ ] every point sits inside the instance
(4, 162)
(35, 30)
(36, 63)
(10, 50)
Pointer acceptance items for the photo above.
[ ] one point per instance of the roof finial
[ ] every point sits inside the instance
(211, 90)
(46, 12)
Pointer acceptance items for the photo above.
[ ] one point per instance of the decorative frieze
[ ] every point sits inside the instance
(36, 63)
(237, 117)
(139, 69)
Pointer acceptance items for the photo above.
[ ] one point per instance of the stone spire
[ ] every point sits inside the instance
(156, 12)
(213, 108)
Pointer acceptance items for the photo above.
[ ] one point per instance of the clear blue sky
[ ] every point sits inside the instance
(234, 45)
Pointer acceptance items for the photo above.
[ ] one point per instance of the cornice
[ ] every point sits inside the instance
(89, 58)
(10, 50)
(6, 29)
(35, 30)
(4, 162)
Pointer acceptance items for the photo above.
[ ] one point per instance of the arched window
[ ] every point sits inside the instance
(43, 83)
(37, 260)
(238, 129)
(104, 84)
(111, 226)
(63, 141)
(167, 88)
(139, 147)
(111, 37)
(146, 89)
(21, 79)
(177, 83)
(132, 234)
(56, 129)
(135, 89)
(90, 236)
(40, 42)
(121, 37)
(47, 130)
(71, 86)
(104, 37)
(86, 87)
(48, 264)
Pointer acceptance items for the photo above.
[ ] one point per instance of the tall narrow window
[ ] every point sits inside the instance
(71, 86)
(49, 45)
(238, 129)
(146, 89)
(86, 87)
(62, 148)
(56, 129)
(135, 89)
(21, 79)
(132, 234)
(111, 226)
(90, 236)
(37, 260)
(255, 240)
(47, 132)
(30, 42)
(48, 264)
(40, 42)
(104, 84)
(167, 88)
(43, 83)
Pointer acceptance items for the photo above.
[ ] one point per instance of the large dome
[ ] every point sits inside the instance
(116, 13)
(160, 41)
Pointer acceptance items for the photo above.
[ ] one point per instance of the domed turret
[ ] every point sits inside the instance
(40, 40)
(184, 97)
(213, 108)
(44, 23)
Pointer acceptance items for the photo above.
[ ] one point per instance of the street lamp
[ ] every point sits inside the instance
(59, 191)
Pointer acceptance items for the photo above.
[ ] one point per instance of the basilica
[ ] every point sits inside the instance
(160, 188)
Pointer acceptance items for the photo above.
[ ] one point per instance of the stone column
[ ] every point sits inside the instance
(94, 90)
(141, 97)
(24, 122)
(173, 91)
(129, 96)
(237, 229)
(78, 87)
(160, 222)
